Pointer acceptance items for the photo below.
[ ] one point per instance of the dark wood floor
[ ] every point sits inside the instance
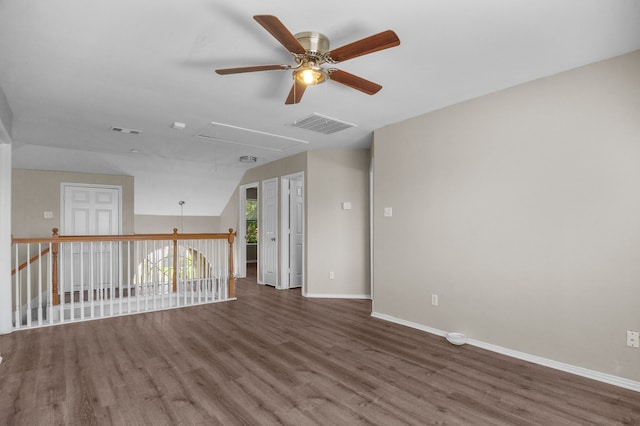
(273, 357)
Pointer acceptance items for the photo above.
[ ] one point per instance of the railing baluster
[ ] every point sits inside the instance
(130, 259)
(29, 286)
(170, 284)
(90, 291)
(40, 289)
(120, 276)
(139, 262)
(17, 286)
(81, 292)
(111, 283)
(72, 287)
(61, 287)
(100, 259)
(150, 273)
(50, 285)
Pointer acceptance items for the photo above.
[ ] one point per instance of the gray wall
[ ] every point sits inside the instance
(336, 240)
(521, 210)
(6, 117)
(5, 214)
(37, 191)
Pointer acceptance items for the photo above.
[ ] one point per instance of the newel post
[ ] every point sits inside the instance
(175, 260)
(232, 278)
(55, 297)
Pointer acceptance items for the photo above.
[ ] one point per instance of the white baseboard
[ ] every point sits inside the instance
(568, 368)
(337, 296)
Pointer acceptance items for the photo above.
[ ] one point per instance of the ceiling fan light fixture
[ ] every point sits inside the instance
(310, 75)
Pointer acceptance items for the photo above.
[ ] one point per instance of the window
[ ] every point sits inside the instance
(251, 217)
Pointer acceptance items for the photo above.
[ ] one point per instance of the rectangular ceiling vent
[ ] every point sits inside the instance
(322, 124)
(125, 130)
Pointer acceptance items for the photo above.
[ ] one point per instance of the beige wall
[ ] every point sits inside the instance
(155, 224)
(6, 116)
(37, 191)
(521, 210)
(337, 239)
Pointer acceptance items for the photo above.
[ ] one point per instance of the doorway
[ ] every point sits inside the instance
(248, 229)
(292, 237)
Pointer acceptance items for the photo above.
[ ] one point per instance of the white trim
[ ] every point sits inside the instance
(261, 229)
(148, 311)
(568, 368)
(6, 322)
(336, 296)
(283, 237)
(285, 212)
(371, 233)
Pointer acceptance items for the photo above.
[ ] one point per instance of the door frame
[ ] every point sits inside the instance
(263, 240)
(242, 227)
(285, 212)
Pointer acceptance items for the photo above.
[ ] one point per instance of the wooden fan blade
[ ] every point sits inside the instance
(226, 71)
(355, 82)
(374, 43)
(281, 33)
(295, 95)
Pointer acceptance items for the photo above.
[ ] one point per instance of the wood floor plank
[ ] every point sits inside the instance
(275, 357)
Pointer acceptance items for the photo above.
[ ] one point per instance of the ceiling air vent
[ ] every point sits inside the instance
(125, 130)
(322, 124)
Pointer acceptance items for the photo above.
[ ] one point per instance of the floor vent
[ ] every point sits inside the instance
(322, 124)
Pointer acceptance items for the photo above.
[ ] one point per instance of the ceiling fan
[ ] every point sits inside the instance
(310, 50)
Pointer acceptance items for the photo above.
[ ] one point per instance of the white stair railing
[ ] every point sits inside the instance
(77, 278)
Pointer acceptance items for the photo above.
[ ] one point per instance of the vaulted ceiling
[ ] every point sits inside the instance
(74, 69)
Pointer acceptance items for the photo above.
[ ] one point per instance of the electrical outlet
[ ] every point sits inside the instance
(434, 299)
(48, 215)
(633, 339)
(332, 275)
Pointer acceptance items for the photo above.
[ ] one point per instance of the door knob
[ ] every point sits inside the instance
(273, 239)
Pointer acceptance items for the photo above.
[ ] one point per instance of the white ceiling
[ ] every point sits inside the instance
(72, 69)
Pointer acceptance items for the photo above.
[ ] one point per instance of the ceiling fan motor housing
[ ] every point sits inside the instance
(313, 42)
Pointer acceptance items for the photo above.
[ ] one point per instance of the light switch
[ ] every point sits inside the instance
(346, 205)
(388, 212)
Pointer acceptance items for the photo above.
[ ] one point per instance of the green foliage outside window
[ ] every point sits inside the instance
(252, 221)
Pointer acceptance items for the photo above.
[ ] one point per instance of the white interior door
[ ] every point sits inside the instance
(90, 210)
(296, 232)
(269, 226)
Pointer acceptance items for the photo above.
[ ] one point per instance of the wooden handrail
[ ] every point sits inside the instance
(30, 261)
(132, 237)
